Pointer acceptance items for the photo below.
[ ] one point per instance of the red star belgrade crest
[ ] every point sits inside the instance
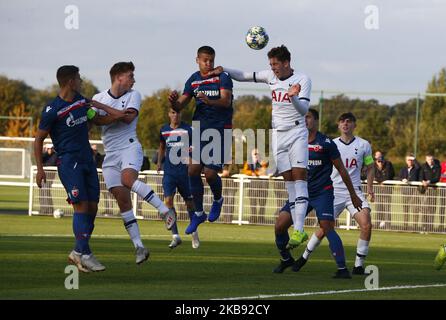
(75, 192)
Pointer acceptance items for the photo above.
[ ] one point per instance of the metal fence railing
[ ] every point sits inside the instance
(252, 200)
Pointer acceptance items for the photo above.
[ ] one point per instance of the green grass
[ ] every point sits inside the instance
(14, 198)
(233, 261)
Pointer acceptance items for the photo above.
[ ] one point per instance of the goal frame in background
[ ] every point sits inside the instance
(23, 153)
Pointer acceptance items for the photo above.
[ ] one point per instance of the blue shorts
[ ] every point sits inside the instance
(173, 182)
(323, 204)
(214, 152)
(80, 179)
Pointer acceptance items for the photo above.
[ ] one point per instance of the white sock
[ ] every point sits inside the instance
(362, 249)
(144, 191)
(301, 203)
(131, 225)
(291, 198)
(311, 246)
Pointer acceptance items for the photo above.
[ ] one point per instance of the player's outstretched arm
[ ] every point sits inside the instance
(113, 114)
(130, 115)
(241, 76)
(357, 203)
(178, 102)
(38, 147)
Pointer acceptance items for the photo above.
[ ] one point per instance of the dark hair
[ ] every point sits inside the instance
(347, 115)
(65, 74)
(281, 53)
(206, 50)
(314, 113)
(121, 67)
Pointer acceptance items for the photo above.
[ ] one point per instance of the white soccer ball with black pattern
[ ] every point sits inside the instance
(58, 213)
(257, 38)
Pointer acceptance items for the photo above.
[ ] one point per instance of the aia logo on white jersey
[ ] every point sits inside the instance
(280, 97)
(351, 163)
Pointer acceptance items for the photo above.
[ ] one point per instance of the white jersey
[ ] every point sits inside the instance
(118, 135)
(353, 155)
(285, 114)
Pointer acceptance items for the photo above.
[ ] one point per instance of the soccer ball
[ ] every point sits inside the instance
(58, 213)
(257, 38)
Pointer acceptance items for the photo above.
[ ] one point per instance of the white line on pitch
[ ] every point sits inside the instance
(303, 294)
(70, 235)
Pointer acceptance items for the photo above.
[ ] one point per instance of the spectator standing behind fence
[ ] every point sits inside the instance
(429, 174)
(257, 188)
(442, 195)
(383, 171)
(411, 198)
(97, 157)
(49, 159)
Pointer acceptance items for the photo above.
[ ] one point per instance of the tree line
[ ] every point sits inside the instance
(390, 128)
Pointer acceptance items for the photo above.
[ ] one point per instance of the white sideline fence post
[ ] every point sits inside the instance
(31, 187)
(240, 202)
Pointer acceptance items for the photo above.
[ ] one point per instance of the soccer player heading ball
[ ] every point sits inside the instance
(290, 93)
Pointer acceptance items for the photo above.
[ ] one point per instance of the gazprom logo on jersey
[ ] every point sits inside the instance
(208, 93)
(314, 162)
(71, 122)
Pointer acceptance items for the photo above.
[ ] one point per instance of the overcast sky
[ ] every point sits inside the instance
(328, 40)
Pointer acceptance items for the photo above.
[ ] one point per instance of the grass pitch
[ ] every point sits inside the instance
(232, 261)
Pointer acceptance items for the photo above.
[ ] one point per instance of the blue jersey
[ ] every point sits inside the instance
(321, 153)
(210, 116)
(177, 141)
(67, 126)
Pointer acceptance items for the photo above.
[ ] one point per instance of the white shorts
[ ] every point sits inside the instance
(290, 148)
(343, 201)
(116, 161)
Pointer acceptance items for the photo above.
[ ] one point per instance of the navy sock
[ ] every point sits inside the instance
(191, 214)
(91, 217)
(174, 228)
(281, 242)
(337, 248)
(81, 230)
(216, 188)
(197, 190)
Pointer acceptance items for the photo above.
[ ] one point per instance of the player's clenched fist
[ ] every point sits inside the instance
(203, 97)
(39, 177)
(294, 90)
(357, 202)
(215, 72)
(173, 97)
